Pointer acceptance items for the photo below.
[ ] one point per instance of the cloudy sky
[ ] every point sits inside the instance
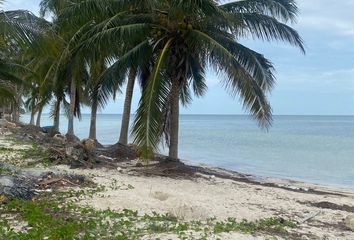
(318, 83)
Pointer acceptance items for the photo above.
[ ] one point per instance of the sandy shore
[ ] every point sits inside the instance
(320, 211)
(207, 197)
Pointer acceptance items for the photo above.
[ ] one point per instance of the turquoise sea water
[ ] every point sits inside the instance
(318, 149)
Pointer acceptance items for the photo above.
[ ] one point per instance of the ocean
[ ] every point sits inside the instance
(316, 149)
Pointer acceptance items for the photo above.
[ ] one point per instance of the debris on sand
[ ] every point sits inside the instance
(25, 183)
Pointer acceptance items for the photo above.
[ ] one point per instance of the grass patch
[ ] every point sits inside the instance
(29, 155)
(272, 224)
(58, 216)
(4, 170)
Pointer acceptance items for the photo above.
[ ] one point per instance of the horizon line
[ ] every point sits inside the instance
(231, 114)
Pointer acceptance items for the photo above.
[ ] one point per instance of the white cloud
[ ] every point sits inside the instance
(336, 80)
(340, 78)
(328, 15)
(31, 5)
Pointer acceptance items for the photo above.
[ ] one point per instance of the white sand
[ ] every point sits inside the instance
(202, 198)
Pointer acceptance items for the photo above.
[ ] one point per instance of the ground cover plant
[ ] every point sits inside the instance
(60, 216)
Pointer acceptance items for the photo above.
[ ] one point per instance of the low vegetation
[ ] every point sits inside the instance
(27, 155)
(60, 216)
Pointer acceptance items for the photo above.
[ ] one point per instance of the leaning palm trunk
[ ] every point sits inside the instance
(174, 124)
(123, 138)
(57, 114)
(39, 115)
(94, 106)
(72, 107)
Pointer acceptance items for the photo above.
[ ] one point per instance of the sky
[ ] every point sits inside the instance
(318, 83)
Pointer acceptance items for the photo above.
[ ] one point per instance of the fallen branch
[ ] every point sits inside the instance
(51, 181)
(309, 217)
(70, 182)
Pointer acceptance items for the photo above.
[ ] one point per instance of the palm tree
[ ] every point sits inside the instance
(68, 66)
(18, 28)
(182, 39)
(103, 13)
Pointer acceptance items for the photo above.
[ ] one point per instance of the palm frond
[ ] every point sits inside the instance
(260, 68)
(197, 75)
(113, 77)
(267, 28)
(238, 81)
(284, 10)
(7, 94)
(21, 26)
(147, 124)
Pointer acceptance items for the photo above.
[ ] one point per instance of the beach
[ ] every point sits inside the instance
(166, 120)
(203, 198)
(319, 212)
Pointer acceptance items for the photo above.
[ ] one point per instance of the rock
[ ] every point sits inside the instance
(7, 124)
(349, 222)
(59, 138)
(90, 144)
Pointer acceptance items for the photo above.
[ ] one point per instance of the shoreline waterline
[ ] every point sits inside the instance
(315, 149)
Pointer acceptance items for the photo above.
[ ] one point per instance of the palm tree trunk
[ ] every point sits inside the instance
(16, 113)
(93, 118)
(39, 115)
(57, 114)
(17, 106)
(32, 116)
(19, 103)
(72, 107)
(123, 138)
(174, 124)
(13, 108)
